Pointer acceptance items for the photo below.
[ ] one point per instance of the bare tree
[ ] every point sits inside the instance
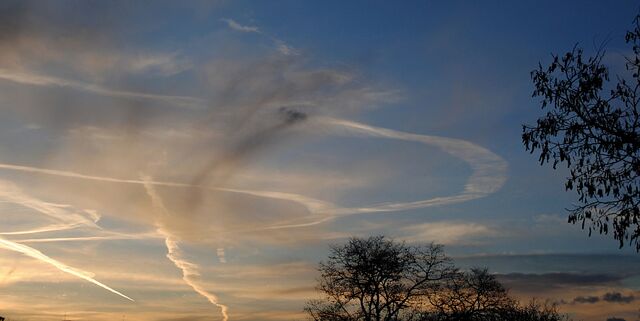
(376, 279)
(472, 295)
(593, 126)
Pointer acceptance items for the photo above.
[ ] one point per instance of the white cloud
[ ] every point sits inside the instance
(238, 27)
(447, 233)
(287, 50)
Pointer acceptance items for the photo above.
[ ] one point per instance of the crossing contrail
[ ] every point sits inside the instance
(174, 254)
(31, 252)
(50, 81)
(489, 172)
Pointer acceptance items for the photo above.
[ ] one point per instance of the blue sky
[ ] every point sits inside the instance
(199, 158)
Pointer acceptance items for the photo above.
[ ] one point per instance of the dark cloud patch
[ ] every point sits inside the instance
(552, 263)
(536, 282)
(291, 115)
(219, 169)
(610, 297)
(617, 297)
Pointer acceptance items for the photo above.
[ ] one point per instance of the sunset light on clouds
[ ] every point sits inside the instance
(194, 161)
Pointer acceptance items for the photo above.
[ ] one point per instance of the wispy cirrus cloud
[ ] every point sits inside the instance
(280, 45)
(50, 81)
(238, 27)
(448, 233)
(249, 112)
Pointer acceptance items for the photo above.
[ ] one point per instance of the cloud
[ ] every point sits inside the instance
(547, 281)
(221, 255)
(65, 215)
(617, 297)
(112, 236)
(286, 50)
(104, 115)
(163, 64)
(489, 173)
(610, 297)
(280, 45)
(189, 270)
(50, 81)
(586, 299)
(489, 169)
(194, 317)
(238, 27)
(31, 252)
(447, 232)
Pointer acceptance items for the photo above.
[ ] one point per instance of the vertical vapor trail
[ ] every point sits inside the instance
(31, 252)
(174, 254)
(189, 272)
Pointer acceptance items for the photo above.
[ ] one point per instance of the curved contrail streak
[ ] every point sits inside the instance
(489, 172)
(488, 175)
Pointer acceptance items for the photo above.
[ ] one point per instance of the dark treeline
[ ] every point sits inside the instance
(377, 279)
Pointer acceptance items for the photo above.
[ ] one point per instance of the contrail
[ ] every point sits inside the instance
(488, 175)
(189, 272)
(70, 174)
(59, 212)
(50, 228)
(31, 252)
(90, 238)
(11, 193)
(489, 169)
(174, 254)
(49, 81)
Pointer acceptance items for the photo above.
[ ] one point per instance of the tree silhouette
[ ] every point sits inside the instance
(377, 279)
(593, 127)
(472, 295)
(477, 295)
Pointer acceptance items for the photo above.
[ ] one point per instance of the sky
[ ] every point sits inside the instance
(194, 160)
